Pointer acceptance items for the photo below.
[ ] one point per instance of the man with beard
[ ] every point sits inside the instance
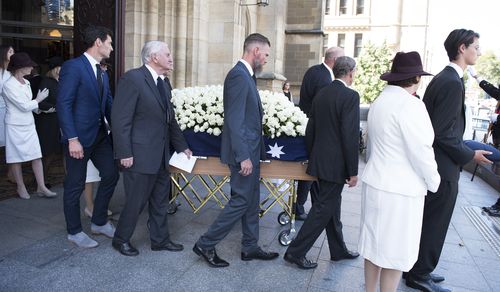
(241, 149)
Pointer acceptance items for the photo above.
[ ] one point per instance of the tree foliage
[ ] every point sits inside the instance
(488, 67)
(372, 62)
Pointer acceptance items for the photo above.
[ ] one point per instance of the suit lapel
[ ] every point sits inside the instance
(151, 83)
(90, 74)
(253, 86)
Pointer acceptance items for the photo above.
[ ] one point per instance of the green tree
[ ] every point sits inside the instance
(371, 63)
(488, 67)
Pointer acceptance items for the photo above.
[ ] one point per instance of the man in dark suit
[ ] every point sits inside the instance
(315, 78)
(332, 135)
(144, 127)
(83, 105)
(241, 149)
(444, 100)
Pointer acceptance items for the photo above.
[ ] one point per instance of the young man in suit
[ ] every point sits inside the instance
(242, 147)
(444, 100)
(144, 127)
(332, 143)
(315, 78)
(83, 107)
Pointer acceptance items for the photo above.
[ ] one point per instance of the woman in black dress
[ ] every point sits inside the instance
(47, 125)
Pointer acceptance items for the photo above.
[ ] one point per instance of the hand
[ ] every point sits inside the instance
(472, 71)
(41, 95)
(50, 110)
(188, 153)
(75, 149)
(127, 162)
(352, 181)
(479, 157)
(246, 167)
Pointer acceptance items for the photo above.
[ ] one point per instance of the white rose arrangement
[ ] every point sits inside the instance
(201, 109)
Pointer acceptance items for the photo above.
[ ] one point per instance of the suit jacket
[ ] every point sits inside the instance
(242, 131)
(79, 106)
(490, 89)
(19, 105)
(400, 138)
(332, 134)
(444, 100)
(143, 126)
(314, 80)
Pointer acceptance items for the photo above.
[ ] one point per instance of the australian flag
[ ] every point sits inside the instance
(281, 148)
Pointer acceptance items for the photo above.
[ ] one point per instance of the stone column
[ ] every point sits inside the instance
(304, 39)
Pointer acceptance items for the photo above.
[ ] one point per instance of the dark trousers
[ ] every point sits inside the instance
(438, 209)
(140, 189)
(101, 154)
(303, 189)
(324, 214)
(244, 206)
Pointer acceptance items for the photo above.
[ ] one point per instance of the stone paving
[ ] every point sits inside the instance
(35, 255)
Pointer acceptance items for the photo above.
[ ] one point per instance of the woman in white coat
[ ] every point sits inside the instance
(400, 169)
(20, 133)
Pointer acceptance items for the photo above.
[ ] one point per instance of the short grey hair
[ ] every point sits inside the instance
(150, 48)
(343, 65)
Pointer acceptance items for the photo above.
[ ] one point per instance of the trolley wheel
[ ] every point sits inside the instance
(284, 237)
(283, 218)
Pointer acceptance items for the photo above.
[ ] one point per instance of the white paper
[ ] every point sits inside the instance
(181, 161)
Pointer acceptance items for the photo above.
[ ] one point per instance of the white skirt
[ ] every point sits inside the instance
(92, 173)
(390, 228)
(21, 143)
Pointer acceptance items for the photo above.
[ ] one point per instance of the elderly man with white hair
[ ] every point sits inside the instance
(144, 127)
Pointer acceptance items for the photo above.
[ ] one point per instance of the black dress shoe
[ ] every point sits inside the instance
(348, 255)
(301, 217)
(170, 246)
(302, 262)
(259, 254)
(427, 285)
(125, 249)
(210, 256)
(436, 278)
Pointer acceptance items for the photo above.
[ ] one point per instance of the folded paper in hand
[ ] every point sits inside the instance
(181, 161)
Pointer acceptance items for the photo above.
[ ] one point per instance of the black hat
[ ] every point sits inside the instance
(55, 62)
(405, 66)
(20, 60)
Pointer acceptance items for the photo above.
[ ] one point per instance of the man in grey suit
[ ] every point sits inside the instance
(144, 127)
(242, 148)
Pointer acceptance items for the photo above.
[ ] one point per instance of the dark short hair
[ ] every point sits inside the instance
(255, 38)
(405, 83)
(3, 55)
(94, 32)
(343, 65)
(456, 38)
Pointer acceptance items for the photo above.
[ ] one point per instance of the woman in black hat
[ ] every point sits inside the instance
(47, 125)
(21, 138)
(400, 169)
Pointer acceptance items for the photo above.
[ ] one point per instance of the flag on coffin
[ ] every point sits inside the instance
(281, 148)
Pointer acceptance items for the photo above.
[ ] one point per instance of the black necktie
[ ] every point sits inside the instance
(254, 79)
(161, 88)
(99, 80)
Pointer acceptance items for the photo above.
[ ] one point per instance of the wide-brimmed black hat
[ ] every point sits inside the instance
(405, 66)
(20, 60)
(55, 61)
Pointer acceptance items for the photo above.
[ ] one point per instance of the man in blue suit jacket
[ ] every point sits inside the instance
(315, 78)
(83, 106)
(241, 149)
